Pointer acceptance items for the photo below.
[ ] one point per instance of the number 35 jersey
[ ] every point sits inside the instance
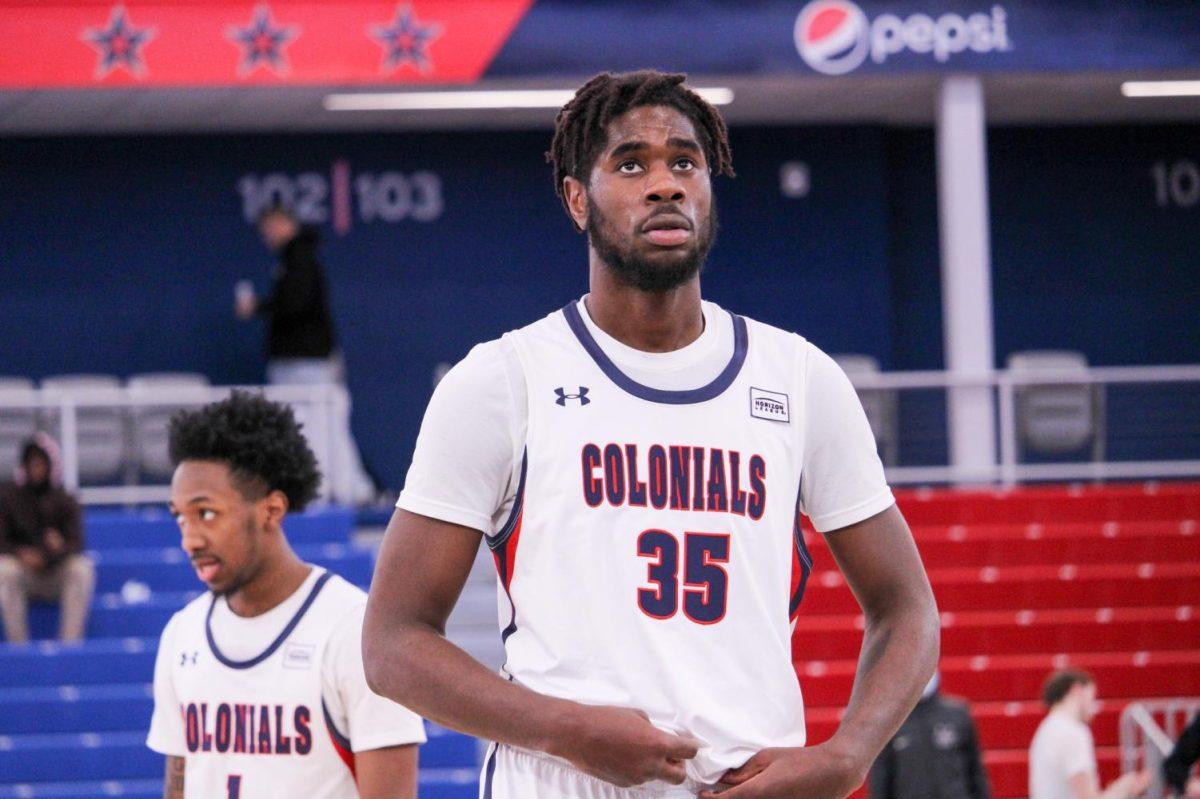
(275, 705)
(653, 557)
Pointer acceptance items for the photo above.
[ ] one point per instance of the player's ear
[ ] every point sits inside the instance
(275, 507)
(576, 199)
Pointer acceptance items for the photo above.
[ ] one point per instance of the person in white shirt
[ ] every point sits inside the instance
(259, 688)
(637, 462)
(1062, 757)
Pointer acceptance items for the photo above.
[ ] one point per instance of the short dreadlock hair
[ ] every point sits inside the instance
(258, 439)
(581, 127)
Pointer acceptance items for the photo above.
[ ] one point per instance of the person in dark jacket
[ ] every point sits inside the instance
(1178, 764)
(41, 546)
(934, 755)
(301, 346)
(300, 339)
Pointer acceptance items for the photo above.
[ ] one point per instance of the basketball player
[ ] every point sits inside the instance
(637, 463)
(258, 686)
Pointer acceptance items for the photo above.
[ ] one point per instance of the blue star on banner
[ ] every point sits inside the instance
(262, 42)
(119, 44)
(405, 40)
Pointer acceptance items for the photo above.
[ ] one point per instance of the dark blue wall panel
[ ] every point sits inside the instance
(1090, 252)
(121, 253)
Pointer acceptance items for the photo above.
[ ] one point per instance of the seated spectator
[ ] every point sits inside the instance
(1062, 757)
(41, 546)
(934, 755)
(1178, 765)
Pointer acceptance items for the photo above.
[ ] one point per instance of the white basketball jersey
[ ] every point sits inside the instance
(260, 727)
(653, 558)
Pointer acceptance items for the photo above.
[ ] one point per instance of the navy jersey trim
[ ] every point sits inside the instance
(278, 642)
(806, 562)
(631, 386)
(334, 732)
(489, 772)
(496, 541)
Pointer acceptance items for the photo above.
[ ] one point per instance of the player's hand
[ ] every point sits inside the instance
(813, 772)
(245, 306)
(621, 746)
(1132, 784)
(32, 558)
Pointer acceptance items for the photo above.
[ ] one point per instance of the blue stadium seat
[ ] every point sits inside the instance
(97, 662)
(167, 569)
(434, 784)
(106, 529)
(123, 755)
(71, 708)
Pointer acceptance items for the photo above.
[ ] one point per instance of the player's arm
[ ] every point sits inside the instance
(899, 653)
(422, 567)
(173, 777)
(387, 773)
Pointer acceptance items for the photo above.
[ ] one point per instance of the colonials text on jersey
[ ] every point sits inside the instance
(248, 729)
(675, 477)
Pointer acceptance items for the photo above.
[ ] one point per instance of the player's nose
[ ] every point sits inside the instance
(190, 538)
(664, 186)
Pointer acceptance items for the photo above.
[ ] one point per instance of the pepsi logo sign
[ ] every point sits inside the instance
(835, 37)
(832, 36)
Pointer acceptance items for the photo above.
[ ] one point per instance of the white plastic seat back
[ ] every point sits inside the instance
(150, 423)
(1054, 417)
(18, 421)
(100, 431)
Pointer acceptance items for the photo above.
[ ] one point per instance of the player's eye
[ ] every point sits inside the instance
(179, 519)
(630, 167)
(207, 515)
(685, 164)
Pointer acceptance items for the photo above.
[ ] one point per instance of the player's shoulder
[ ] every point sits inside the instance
(554, 327)
(339, 595)
(780, 349)
(190, 615)
(760, 331)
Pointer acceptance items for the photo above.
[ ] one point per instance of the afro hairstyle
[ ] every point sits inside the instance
(258, 439)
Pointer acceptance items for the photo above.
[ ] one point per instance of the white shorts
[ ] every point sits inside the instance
(510, 773)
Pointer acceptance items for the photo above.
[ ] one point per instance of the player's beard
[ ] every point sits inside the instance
(644, 274)
(253, 566)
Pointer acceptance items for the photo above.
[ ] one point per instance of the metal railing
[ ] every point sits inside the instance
(319, 407)
(1148, 731)
(1008, 468)
(59, 411)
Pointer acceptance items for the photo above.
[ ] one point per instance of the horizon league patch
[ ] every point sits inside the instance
(769, 405)
(298, 656)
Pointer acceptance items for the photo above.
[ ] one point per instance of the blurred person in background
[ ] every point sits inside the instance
(934, 755)
(1178, 765)
(1062, 757)
(301, 345)
(41, 546)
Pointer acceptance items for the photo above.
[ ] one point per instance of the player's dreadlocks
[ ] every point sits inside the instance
(581, 128)
(258, 439)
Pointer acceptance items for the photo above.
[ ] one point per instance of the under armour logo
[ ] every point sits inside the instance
(184, 659)
(563, 396)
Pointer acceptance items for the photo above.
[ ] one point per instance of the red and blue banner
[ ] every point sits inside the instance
(161, 43)
(204, 43)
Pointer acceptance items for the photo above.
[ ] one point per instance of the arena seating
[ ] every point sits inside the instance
(1102, 578)
(73, 719)
(1027, 580)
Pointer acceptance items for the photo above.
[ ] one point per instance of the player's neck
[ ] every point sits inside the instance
(279, 578)
(661, 321)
